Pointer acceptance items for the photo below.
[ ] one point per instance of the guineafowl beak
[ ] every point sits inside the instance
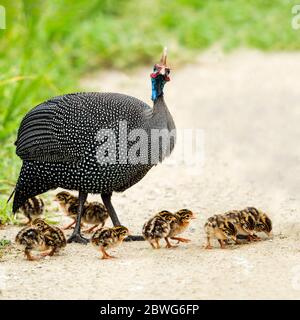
(165, 70)
(163, 59)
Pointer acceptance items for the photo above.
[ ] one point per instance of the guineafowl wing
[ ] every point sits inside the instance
(48, 133)
(63, 128)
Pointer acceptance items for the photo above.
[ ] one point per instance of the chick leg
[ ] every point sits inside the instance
(208, 245)
(28, 223)
(105, 255)
(69, 225)
(157, 243)
(169, 245)
(254, 237)
(180, 239)
(89, 230)
(51, 253)
(48, 252)
(152, 245)
(223, 246)
(29, 256)
(76, 235)
(106, 198)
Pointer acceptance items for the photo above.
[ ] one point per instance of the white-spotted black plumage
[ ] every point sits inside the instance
(57, 141)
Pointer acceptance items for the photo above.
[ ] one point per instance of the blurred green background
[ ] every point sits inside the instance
(48, 45)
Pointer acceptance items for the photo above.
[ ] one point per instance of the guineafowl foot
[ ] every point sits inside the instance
(78, 238)
(134, 238)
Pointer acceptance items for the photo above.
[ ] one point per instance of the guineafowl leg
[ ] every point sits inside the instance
(76, 236)
(106, 198)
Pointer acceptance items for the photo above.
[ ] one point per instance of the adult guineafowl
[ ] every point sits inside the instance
(94, 143)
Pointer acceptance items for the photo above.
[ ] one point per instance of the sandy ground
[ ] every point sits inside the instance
(247, 106)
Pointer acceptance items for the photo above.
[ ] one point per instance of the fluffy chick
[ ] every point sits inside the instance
(219, 227)
(54, 238)
(183, 219)
(93, 212)
(69, 205)
(30, 238)
(106, 238)
(157, 228)
(32, 209)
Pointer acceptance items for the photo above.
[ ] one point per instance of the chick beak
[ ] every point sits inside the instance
(193, 216)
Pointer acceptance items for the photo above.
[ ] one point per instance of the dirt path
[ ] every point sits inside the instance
(247, 105)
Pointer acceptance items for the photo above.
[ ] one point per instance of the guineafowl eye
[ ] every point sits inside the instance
(156, 68)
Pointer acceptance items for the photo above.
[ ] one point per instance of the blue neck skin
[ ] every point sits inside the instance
(157, 87)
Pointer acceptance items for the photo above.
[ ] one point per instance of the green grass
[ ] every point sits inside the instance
(4, 243)
(48, 45)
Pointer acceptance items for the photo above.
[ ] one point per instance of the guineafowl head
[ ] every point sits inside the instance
(160, 76)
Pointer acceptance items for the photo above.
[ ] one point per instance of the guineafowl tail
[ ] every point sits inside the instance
(30, 183)
(19, 199)
(13, 192)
